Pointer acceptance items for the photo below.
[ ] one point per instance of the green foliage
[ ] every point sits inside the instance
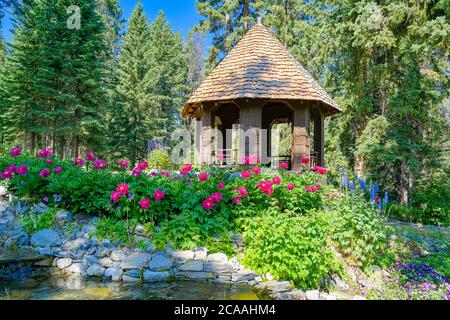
(159, 159)
(358, 230)
(440, 261)
(111, 228)
(290, 247)
(36, 222)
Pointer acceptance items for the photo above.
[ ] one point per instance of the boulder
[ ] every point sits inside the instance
(45, 238)
(40, 208)
(126, 278)
(183, 255)
(160, 262)
(77, 244)
(95, 270)
(191, 266)
(217, 257)
(151, 276)
(63, 263)
(3, 191)
(64, 215)
(195, 275)
(106, 262)
(243, 276)
(135, 260)
(218, 267)
(118, 255)
(76, 268)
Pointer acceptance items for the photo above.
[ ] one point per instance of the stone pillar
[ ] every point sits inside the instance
(319, 137)
(250, 123)
(300, 139)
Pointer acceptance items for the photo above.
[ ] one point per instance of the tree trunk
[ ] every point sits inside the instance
(246, 12)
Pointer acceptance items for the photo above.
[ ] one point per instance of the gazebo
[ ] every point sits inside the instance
(259, 84)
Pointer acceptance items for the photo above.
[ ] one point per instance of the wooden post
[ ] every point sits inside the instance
(300, 139)
(206, 137)
(319, 137)
(250, 121)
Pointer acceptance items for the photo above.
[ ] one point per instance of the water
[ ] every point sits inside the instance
(56, 288)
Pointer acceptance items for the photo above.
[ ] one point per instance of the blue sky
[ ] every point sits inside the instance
(181, 14)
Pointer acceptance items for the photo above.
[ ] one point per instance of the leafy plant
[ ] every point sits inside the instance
(290, 247)
(357, 230)
(36, 222)
(159, 159)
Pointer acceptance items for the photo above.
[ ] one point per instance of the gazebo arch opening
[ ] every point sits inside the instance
(225, 119)
(277, 120)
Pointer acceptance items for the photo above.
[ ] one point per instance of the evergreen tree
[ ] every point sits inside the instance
(168, 67)
(52, 84)
(195, 60)
(132, 118)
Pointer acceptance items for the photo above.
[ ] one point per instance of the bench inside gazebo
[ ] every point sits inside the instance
(257, 86)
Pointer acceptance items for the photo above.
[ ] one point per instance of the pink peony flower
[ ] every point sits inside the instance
(100, 164)
(203, 176)
(237, 200)
(299, 172)
(124, 164)
(320, 170)
(78, 162)
(15, 152)
(313, 189)
(115, 196)
(284, 165)
(242, 191)
(144, 203)
(12, 168)
(122, 188)
(208, 204)
(186, 169)
(136, 172)
(276, 180)
(45, 153)
(217, 197)
(22, 170)
(158, 195)
(90, 156)
(58, 169)
(290, 187)
(142, 165)
(304, 160)
(268, 191)
(256, 170)
(245, 174)
(6, 174)
(165, 173)
(221, 185)
(49, 161)
(250, 160)
(44, 173)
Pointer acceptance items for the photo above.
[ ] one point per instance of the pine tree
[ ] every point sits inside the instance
(195, 60)
(169, 71)
(53, 81)
(132, 121)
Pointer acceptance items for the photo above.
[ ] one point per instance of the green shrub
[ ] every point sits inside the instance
(159, 159)
(290, 247)
(36, 222)
(113, 229)
(358, 230)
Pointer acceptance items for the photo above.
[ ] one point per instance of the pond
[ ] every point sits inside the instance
(57, 288)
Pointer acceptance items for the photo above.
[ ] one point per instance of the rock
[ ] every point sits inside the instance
(106, 262)
(3, 208)
(3, 191)
(151, 276)
(126, 278)
(313, 295)
(89, 228)
(338, 283)
(292, 295)
(40, 208)
(217, 257)
(45, 238)
(218, 267)
(63, 263)
(46, 262)
(103, 252)
(95, 270)
(92, 260)
(191, 266)
(114, 273)
(243, 276)
(64, 215)
(275, 286)
(269, 276)
(47, 251)
(160, 262)
(235, 263)
(23, 240)
(183, 255)
(118, 255)
(77, 244)
(135, 261)
(200, 255)
(195, 275)
(140, 230)
(76, 268)
(135, 273)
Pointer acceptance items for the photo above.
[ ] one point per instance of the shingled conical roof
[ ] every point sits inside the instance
(259, 66)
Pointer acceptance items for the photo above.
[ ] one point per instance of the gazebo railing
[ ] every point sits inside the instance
(275, 161)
